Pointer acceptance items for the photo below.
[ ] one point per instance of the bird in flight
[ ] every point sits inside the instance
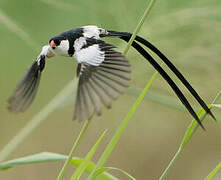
(103, 72)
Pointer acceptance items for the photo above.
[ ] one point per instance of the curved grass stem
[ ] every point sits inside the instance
(188, 135)
(137, 29)
(122, 127)
(73, 150)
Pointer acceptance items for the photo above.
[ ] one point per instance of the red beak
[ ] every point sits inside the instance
(52, 44)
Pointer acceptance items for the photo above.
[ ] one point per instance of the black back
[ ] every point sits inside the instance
(71, 36)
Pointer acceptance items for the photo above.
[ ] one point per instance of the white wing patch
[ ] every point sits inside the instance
(101, 84)
(79, 43)
(91, 31)
(89, 54)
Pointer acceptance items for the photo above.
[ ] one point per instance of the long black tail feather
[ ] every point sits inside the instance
(177, 73)
(126, 35)
(167, 78)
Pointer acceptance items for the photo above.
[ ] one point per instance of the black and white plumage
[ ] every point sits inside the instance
(103, 72)
(102, 77)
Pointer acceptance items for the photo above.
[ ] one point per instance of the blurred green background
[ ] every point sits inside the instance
(188, 32)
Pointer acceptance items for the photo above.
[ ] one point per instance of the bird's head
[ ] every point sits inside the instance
(60, 45)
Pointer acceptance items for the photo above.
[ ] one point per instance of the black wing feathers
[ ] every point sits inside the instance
(101, 84)
(26, 90)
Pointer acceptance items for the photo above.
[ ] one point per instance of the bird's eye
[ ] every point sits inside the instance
(52, 44)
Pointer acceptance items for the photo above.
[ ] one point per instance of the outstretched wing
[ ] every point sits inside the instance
(27, 88)
(102, 78)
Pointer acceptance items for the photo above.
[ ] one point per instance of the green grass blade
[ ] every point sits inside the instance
(216, 105)
(80, 170)
(52, 157)
(89, 169)
(192, 127)
(36, 158)
(38, 119)
(137, 29)
(104, 169)
(123, 125)
(213, 172)
(157, 98)
(73, 150)
(188, 135)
